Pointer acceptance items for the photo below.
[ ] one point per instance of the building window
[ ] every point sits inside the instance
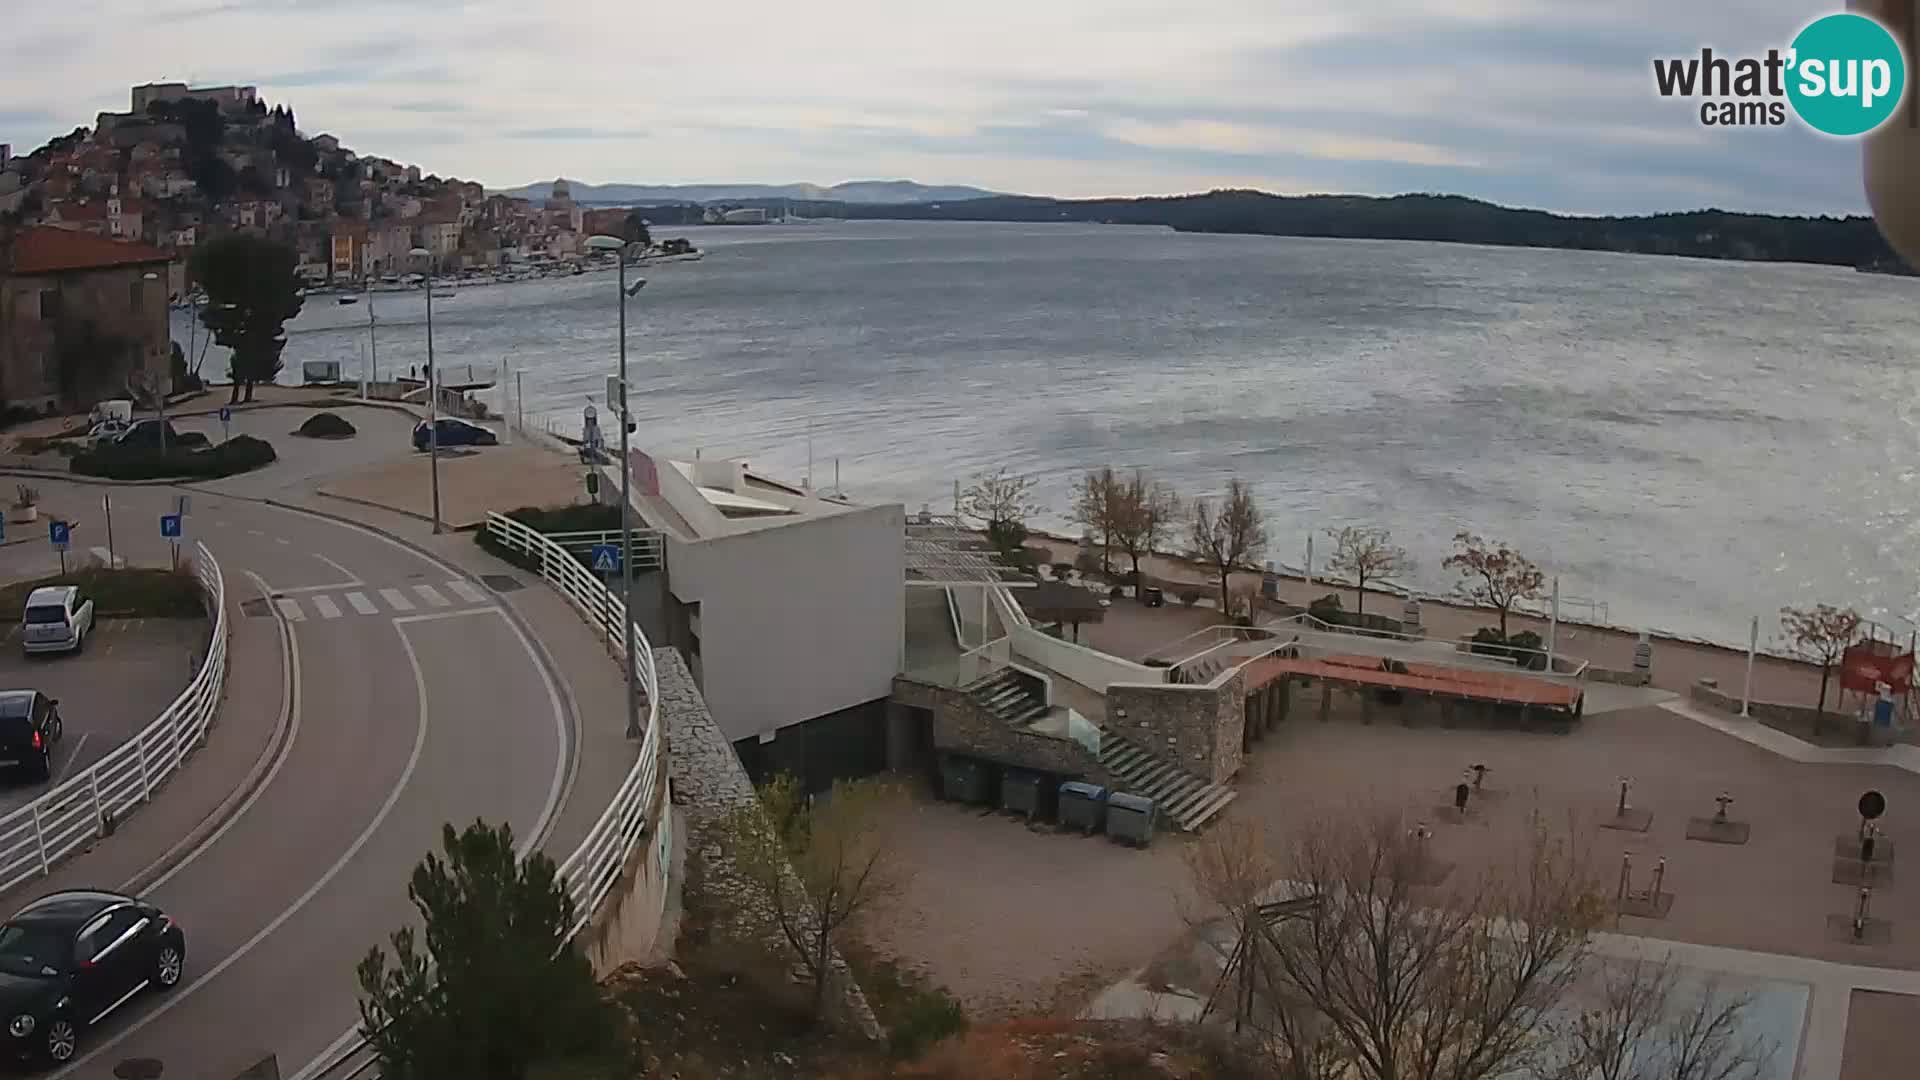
(136, 295)
(49, 304)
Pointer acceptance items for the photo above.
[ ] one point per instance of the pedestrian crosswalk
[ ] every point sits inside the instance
(379, 601)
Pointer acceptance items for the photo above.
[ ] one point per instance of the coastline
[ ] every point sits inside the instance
(1678, 661)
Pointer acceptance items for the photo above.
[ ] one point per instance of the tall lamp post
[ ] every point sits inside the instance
(433, 393)
(619, 246)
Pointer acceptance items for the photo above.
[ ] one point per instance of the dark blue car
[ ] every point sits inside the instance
(454, 432)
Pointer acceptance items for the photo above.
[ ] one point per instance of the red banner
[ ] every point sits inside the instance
(1867, 664)
(646, 477)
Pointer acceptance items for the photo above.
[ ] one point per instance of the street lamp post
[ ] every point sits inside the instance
(433, 393)
(619, 246)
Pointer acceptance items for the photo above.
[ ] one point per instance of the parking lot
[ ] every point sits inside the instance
(129, 672)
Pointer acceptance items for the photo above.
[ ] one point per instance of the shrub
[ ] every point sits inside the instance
(1062, 569)
(1525, 649)
(1328, 610)
(1189, 597)
(926, 1018)
(326, 425)
(133, 593)
(237, 455)
(1116, 592)
(580, 517)
(1086, 561)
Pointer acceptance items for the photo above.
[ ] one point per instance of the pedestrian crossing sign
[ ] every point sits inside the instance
(605, 559)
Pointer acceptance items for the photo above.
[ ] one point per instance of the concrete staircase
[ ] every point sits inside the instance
(1185, 798)
(1010, 696)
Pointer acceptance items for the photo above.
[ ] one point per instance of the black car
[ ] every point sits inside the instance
(69, 959)
(454, 432)
(29, 726)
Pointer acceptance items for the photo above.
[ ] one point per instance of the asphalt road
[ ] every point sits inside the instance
(415, 702)
(130, 670)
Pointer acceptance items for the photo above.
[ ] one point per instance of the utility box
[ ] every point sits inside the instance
(1020, 792)
(1131, 818)
(1083, 806)
(963, 780)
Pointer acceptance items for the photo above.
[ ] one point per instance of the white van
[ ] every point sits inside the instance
(57, 619)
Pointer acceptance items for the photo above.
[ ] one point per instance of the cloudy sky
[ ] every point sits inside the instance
(1545, 103)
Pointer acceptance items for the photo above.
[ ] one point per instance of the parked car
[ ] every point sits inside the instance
(145, 435)
(58, 618)
(106, 431)
(29, 726)
(455, 432)
(69, 959)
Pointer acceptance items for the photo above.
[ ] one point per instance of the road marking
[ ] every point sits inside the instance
(361, 604)
(352, 578)
(436, 616)
(255, 532)
(466, 591)
(281, 540)
(565, 770)
(432, 596)
(73, 755)
(106, 557)
(328, 609)
(396, 599)
(291, 609)
(379, 818)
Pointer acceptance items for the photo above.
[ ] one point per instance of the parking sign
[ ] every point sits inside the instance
(170, 526)
(60, 533)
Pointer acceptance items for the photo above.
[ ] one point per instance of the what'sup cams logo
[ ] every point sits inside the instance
(1844, 75)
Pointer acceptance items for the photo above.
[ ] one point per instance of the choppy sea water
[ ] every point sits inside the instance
(1693, 443)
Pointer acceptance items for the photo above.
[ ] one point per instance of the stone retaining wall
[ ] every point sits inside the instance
(962, 726)
(708, 783)
(1201, 729)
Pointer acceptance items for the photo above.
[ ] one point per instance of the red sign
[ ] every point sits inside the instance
(1863, 666)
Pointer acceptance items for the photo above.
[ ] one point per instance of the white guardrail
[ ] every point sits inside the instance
(86, 806)
(593, 870)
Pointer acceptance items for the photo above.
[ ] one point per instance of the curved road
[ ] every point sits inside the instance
(414, 701)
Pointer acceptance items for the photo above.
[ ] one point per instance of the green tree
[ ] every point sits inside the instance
(252, 291)
(498, 991)
(634, 230)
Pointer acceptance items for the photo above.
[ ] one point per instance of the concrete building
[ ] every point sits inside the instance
(441, 237)
(231, 99)
(787, 604)
(56, 282)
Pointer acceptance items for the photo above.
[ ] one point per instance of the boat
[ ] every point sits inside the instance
(348, 298)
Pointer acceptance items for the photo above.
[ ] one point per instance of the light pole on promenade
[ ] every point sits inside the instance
(619, 247)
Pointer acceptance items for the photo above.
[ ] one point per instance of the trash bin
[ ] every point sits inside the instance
(1131, 818)
(963, 780)
(1083, 806)
(1152, 596)
(1020, 792)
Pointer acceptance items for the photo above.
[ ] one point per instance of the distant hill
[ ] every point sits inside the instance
(872, 192)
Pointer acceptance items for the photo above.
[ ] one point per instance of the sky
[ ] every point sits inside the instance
(1539, 103)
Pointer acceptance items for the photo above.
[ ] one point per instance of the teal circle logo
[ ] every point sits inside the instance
(1846, 74)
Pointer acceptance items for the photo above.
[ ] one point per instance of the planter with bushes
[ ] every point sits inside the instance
(1190, 597)
(1526, 649)
(242, 453)
(26, 504)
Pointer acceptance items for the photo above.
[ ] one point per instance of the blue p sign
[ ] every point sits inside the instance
(170, 526)
(60, 533)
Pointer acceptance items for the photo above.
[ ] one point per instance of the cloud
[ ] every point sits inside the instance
(1537, 102)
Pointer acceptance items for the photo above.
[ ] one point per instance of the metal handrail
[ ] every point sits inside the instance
(88, 805)
(593, 869)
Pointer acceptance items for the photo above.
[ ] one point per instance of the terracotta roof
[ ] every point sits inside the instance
(46, 250)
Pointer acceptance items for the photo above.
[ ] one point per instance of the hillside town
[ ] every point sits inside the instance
(98, 229)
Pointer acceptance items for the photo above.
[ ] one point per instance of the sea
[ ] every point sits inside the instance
(1685, 445)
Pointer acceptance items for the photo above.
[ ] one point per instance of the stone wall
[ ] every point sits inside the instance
(1619, 678)
(961, 725)
(1199, 728)
(708, 783)
(1707, 692)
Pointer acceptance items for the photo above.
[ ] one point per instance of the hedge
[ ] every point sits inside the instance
(141, 593)
(326, 425)
(581, 517)
(239, 454)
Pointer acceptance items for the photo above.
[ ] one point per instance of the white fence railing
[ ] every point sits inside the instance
(649, 548)
(88, 805)
(593, 870)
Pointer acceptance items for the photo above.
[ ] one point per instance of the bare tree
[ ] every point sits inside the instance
(1822, 632)
(1367, 554)
(1098, 504)
(817, 865)
(1147, 511)
(1002, 501)
(1418, 982)
(1228, 539)
(1644, 1022)
(1495, 574)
